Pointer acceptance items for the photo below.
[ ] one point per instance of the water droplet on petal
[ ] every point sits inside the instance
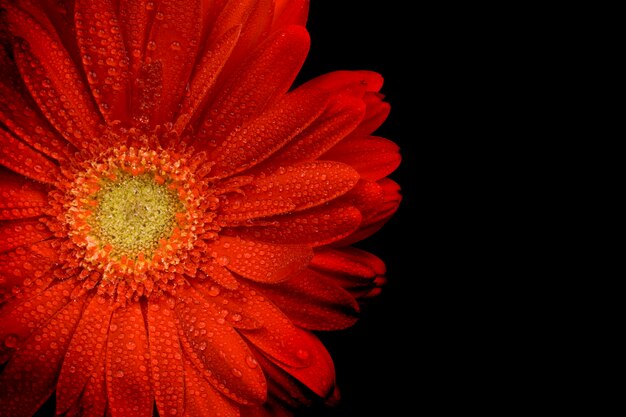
(302, 354)
(10, 341)
(251, 362)
(131, 345)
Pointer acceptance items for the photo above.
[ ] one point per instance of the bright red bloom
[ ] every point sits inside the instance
(174, 221)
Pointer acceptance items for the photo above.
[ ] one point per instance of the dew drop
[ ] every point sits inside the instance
(237, 373)
(214, 291)
(251, 362)
(119, 374)
(131, 345)
(10, 341)
(175, 46)
(302, 354)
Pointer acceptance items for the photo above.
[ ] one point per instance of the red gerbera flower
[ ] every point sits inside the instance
(173, 220)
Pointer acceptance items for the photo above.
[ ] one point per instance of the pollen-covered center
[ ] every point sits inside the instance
(134, 213)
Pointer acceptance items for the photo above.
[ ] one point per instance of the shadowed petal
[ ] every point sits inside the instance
(21, 318)
(29, 377)
(53, 80)
(127, 378)
(261, 261)
(317, 226)
(20, 197)
(314, 302)
(166, 358)
(104, 56)
(264, 76)
(257, 140)
(202, 399)
(24, 160)
(18, 233)
(216, 349)
(86, 351)
(174, 43)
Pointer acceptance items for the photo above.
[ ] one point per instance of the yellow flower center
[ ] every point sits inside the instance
(134, 214)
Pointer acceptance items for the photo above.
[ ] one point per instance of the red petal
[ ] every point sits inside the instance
(93, 401)
(314, 302)
(216, 349)
(338, 120)
(53, 80)
(261, 137)
(318, 226)
(265, 76)
(22, 159)
(319, 376)
(356, 82)
(376, 113)
(202, 400)
(17, 114)
(18, 233)
(85, 352)
(24, 267)
(21, 318)
(134, 16)
(373, 157)
(348, 261)
(174, 42)
(296, 187)
(204, 77)
(255, 16)
(373, 223)
(367, 196)
(127, 376)
(290, 12)
(259, 261)
(29, 378)
(19, 197)
(104, 56)
(284, 387)
(166, 358)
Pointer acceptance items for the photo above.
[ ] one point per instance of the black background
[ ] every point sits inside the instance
(378, 360)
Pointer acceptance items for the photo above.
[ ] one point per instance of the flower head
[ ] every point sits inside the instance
(175, 218)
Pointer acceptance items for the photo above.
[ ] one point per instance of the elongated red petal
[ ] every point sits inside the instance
(266, 75)
(318, 226)
(127, 376)
(338, 120)
(294, 188)
(23, 317)
(24, 267)
(261, 261)
(205, 76)
(216, 349)
(376, 113)
(288, 12)
(20, 197)
(134, 17)
(376, 220)
(53, 80)
(93, 401)
(86, 351)
(166, 358)
(319, 376)
(39, 359)
(24, 160)
(174, 43)
(373, 157)
(264, 135)
(104, 56)
(314, 302)
(202, 399)
(18, 233)
(18, 115)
